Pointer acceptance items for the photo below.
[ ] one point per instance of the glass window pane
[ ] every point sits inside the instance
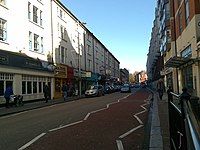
(1, 88)
(23, 87)
(40, 87)
(34, 87)
(29, 87)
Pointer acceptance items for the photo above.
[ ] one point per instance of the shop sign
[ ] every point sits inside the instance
(21, 60)
(108, 71)
(60, 71)
(82, 73)
(70, 72)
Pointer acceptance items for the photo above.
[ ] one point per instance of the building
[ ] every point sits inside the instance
(183, 58)
(54, 48)
(179, 45)
(124, 76)
(24, 48)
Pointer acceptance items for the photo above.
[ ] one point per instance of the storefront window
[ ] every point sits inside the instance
(40, 87)
(188, 79)
(34, 87)
(29, 87)
(6, 80)
(23, 87)
(1, 88)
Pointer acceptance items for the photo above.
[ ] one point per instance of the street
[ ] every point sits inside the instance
(108, 122)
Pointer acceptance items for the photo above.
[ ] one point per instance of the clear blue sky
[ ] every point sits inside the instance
(123, 26)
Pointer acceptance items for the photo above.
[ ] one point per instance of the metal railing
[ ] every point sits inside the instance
(184, 121)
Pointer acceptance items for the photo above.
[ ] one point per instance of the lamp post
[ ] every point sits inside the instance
(79, 57)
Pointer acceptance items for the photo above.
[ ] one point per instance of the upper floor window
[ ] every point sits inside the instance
(30, 40)
(36, 42)
(42, 45)
(61, 13)
(3, 30)
(3, 2)
(180, 21)
(29, 10)
(35, 14)
(187, 14)
(40, 17)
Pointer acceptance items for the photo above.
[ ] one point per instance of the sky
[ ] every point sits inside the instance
(123, 27)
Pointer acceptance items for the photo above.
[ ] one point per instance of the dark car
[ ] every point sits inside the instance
(143, 85)
(107, 89)
(94, 90)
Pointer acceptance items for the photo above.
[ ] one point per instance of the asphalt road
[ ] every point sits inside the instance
(16, 131)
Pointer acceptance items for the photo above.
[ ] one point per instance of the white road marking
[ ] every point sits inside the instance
(119, 145)
(119, 142)
(64, 126)
(130, 131)
(67, 125)
(31, 142)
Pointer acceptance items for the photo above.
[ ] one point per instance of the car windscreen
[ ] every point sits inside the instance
(92, 87)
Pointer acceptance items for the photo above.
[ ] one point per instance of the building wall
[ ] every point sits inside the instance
(61, 37)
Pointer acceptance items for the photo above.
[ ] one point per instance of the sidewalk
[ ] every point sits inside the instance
(34, 105)
(159, 136)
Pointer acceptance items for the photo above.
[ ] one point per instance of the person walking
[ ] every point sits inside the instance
(160, 88)
(46, 91)
(8, 92)
(64, 90)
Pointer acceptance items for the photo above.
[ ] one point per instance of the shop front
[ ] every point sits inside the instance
(63, 75)
(25, 74)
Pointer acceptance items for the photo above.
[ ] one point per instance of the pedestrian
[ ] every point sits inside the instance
(160, 88)
(64, 90)
(46, 91)
(73, 90)
(8, 92)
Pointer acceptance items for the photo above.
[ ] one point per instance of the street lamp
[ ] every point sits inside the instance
(79, 56)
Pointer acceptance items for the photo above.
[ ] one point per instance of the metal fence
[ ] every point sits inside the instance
(184, 123)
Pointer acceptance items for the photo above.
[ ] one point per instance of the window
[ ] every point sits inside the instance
(36, 42)
(34, 87)
(32, 84)
(40, 17)
(180, 21)
(29, 87)
(30, 40)
(61, 32)
(40, 87)
(42, 46)
(187, 14)
(3, 31)
(5, 81)
(62, 54)
(29, 10)
(3, 2)
(35, 16)
(61, 13)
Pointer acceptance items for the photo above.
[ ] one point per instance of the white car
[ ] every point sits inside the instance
(125, 88)
(94, 90)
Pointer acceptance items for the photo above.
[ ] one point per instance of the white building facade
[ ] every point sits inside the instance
(48, 45)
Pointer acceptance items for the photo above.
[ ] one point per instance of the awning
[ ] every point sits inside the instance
(177, 61)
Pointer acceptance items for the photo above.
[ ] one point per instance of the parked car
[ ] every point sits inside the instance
(94, 90)
(142, 85)
(107, 89)
(125, 88)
